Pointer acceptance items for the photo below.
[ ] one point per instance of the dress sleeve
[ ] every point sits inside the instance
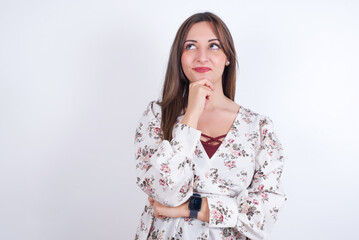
(255, 210)
(164, 168)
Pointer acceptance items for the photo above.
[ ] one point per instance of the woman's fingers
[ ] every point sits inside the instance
(209, 85)
(202, 88)
(204, 82)
(205, 86)
(199, 95)
(151, 200)
(156, 207)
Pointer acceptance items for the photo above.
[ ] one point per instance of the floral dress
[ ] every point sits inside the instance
(241, 181)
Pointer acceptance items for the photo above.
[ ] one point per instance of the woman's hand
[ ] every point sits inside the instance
(199, 94)
(162, 211)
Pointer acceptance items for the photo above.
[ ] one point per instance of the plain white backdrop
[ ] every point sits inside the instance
(75, 77)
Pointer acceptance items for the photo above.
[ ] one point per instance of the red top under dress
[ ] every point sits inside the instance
(212, 144)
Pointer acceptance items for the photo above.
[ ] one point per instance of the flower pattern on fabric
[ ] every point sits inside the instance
(219, 213)
(241, 181)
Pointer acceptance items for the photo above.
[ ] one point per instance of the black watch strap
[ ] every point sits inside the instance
(193, 213)
(194, 205)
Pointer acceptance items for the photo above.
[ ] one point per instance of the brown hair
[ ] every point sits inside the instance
(175, 88)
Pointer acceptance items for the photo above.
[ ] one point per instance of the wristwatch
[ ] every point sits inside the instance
(194, 205)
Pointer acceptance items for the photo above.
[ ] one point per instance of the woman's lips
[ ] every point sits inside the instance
(202, 69)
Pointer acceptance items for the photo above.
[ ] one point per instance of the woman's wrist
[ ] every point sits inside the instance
(185, 210)
(203, 214)
(190, 120)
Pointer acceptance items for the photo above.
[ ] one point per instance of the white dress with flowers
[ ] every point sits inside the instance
(241, 181)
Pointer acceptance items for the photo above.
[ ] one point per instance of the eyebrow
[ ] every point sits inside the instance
(210, 40)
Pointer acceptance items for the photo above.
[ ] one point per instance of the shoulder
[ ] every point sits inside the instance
(153, 110)
(148, 126)
(261, 125)
(253, 117)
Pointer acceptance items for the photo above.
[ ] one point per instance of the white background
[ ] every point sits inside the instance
(75, 77)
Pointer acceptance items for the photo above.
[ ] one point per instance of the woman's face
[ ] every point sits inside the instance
(202, 55)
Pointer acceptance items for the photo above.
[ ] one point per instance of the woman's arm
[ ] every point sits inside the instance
(161, 211)
(164, 168)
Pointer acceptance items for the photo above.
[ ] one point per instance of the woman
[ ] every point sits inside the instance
(210, 167)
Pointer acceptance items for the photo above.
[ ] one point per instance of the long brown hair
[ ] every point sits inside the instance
(175, 88)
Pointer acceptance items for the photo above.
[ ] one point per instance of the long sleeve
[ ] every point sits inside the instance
(164, 168)
(254, 211)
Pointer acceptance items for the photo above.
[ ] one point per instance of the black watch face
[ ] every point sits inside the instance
(195, 204)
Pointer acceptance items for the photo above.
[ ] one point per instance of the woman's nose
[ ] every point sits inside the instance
(202, 55)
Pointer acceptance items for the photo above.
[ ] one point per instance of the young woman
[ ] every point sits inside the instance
(210, 167)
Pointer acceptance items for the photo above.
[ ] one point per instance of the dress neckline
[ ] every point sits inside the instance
(213, 137)
(210, 140)
(226, 136)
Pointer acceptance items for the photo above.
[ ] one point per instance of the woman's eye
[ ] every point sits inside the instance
(214, 46)
(190, 46)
